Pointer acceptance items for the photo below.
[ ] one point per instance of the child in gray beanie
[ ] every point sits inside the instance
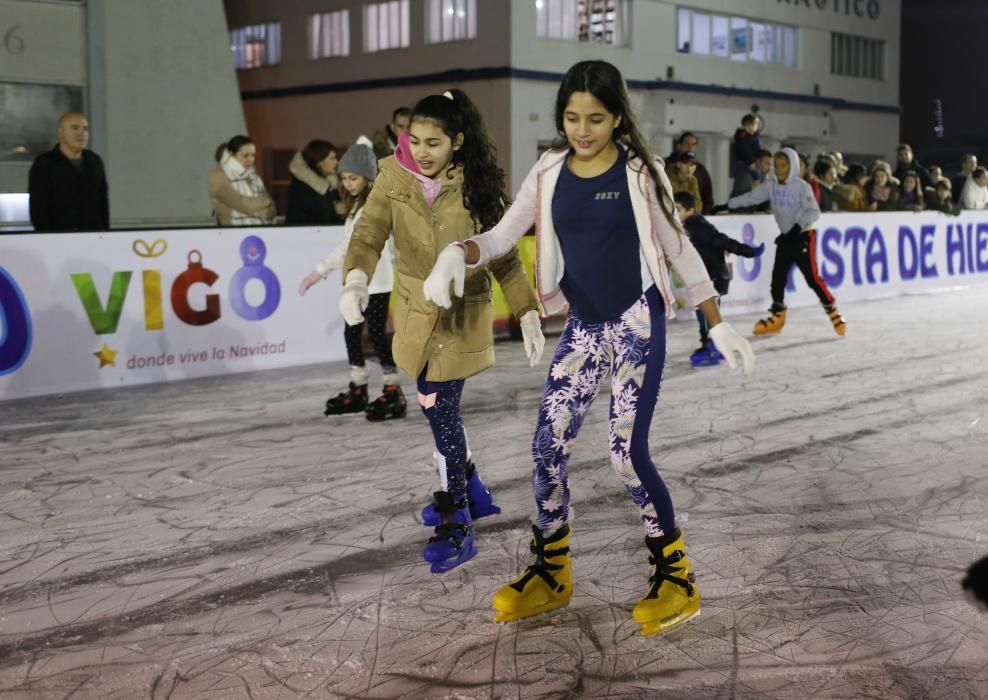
(357, 171)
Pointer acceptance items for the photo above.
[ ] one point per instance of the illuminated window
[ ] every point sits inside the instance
(596, 21)
(737, 38)
(452, 20)
(386, 26)
(257, 45)
(329, 34)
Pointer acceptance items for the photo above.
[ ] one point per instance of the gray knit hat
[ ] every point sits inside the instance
(359, 159)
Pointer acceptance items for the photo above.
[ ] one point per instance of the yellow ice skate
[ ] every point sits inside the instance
(546, 585)
(672, 597)
(772, 324)
(840, 325)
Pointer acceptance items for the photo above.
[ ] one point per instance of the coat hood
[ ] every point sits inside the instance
(793, 165)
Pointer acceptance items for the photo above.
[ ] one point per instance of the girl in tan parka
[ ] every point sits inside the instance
(442, 184)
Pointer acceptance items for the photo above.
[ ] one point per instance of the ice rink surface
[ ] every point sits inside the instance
(220, 538)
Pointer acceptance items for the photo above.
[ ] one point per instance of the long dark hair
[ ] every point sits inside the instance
(484, 193)
(603, 80)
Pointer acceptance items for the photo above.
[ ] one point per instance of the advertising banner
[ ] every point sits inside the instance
(91, 310)
(862, 256)
(99, 310)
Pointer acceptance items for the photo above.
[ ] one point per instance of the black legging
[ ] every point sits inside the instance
(375, 318)
(801, 250)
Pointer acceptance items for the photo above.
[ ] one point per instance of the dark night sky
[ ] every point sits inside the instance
(944, 45)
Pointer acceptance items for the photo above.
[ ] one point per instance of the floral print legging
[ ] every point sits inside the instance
(631, 349)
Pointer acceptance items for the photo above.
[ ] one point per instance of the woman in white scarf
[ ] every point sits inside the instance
(235, 189)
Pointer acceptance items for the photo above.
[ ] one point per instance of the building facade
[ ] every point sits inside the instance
(155, 80)
(822, 74)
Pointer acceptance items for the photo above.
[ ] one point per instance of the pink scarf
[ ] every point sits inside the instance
(403, 156)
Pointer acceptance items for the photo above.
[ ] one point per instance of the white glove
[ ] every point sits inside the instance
(310, 279)
(450, 267)
(354, 298)
(729, 342)
(531, 336)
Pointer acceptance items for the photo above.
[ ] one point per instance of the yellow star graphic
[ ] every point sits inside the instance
(107, 356)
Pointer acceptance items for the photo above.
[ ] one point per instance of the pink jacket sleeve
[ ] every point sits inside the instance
(678, 249)
(515, 223)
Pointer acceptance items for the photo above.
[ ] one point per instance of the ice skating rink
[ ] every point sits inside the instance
(220, 538)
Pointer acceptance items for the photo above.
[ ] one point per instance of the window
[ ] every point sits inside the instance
(256, 46)
(857, 57)
(329, 34)
(386, 26)
(597, 21)
(737, 38)
(452, 20)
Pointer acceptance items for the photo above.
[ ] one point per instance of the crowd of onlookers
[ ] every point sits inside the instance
(68, 189)
(837, 186)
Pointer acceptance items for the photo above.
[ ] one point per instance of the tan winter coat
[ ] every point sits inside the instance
(455, 343)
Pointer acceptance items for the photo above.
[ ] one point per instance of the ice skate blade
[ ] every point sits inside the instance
(653, 627)
(511, 616)
(439, 567)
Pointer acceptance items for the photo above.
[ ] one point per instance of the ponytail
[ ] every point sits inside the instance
(484, 193)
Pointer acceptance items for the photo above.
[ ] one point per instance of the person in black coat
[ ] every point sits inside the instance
(312, 200)
(67, 185)
(906, 162)
(711, 244)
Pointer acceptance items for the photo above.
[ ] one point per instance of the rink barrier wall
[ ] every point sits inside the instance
(108, 309)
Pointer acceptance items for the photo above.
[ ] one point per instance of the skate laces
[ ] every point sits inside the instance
(541, 567)
(664, 571)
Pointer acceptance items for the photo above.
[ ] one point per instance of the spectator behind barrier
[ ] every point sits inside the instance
(907, 162)
(386, 139)
(881, 190)
(746, 147)
(849, 195)
(822, 181)
(681, 176)
(688, 142)
(67, 185)
(235, 189)
(940, 198)
(312, 197)
(968, 164)
(911, 193)
(975, 194)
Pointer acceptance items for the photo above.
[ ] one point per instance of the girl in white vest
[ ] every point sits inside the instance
(358, 170)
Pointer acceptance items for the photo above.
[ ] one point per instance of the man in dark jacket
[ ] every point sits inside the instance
(385, 140)
(711, 244)
(688, 143)
(68, 183)
(907, 162)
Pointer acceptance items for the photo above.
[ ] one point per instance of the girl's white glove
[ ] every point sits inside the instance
(729, 342)
(531, 336)
(450, 267)
(354, 298)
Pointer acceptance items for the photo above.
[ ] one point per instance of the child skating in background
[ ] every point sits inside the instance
(712, 245)
(795, 210)
(606, 233)
(441, 185)
(357, 171)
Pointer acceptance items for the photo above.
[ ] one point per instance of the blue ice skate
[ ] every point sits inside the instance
(453, 542)
(706, 356)
(478, 496)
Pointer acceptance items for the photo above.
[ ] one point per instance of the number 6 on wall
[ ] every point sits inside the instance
(12, 42)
